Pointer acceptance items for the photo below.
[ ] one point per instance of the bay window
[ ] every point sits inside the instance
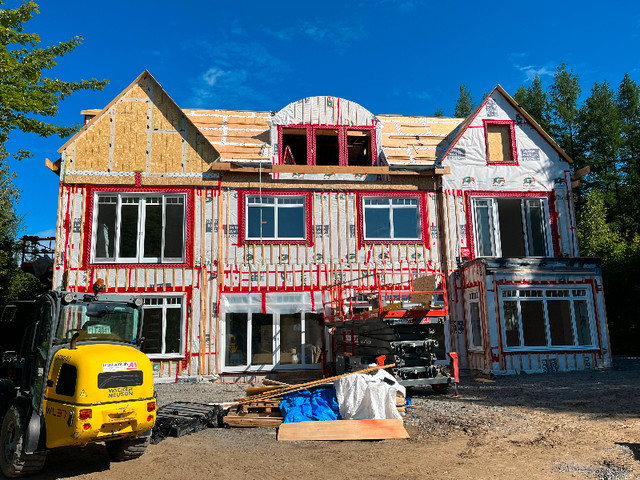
(546, 318)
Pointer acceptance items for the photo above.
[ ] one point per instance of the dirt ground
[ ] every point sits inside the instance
(554, 426)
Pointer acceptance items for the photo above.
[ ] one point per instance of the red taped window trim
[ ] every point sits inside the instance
(308, 205)
(188, 237)
(343, 130)
(422, 205)
(550, 196)
(512, 141)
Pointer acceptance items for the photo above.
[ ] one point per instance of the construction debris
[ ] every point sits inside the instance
(182, 418)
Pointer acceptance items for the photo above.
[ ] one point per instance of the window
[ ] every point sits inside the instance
(162, 325)
(546, 318)
(265, 339)
(511, 227)
(275, 217)
(323, 145)
(139, 228)
(500, 142)
(474, 320)
(391, 218)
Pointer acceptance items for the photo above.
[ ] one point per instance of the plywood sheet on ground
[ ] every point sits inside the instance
(343, 430)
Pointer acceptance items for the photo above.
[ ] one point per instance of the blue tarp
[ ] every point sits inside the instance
(307, 405)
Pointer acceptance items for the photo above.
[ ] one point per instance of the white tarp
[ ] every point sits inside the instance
(364, 396)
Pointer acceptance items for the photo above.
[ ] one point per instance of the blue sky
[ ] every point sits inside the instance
(396, 57)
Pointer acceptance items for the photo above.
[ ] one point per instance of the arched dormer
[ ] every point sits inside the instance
(324, 131)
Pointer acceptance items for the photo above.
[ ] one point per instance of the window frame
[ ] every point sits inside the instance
(512, 141)
(531, 295)
(90, 235)
(473, 297)
(165, 306)
(423, 221)
(549, 222)
(276, 343)
(243, 217)
(343, 132)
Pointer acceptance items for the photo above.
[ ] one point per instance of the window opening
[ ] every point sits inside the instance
(162, 325)
(261, 339)
(294, 146)
(546, 318)
(271, 217)
(359, 147)
(327, 147)
(476, 326)
(139, 228)
(236, 339)
(391, 218)
(510, 227)
(499, 146)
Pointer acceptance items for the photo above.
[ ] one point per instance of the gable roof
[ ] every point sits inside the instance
(519, 109)
(99, 113)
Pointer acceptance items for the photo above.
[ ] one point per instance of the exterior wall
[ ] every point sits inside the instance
(559, 274)
(537, 171)
(220, 263)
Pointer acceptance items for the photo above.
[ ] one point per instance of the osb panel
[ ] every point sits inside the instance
(414, 129)
(213, 138)
(239, 150)
(200, 153)
(443, 128)
(165, 115)
(247, 122)
(130, 139)
(498, 141)
(166, 153)
(420, 141)
(136, 92)
(92, 148)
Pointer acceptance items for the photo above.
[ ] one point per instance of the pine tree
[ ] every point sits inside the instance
(464, 105)
(438, 113)
(563, 99)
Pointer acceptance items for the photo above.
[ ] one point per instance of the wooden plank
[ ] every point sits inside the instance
(251, 421)
(343, 430)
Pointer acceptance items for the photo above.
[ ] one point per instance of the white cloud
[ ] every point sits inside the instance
(339, 34)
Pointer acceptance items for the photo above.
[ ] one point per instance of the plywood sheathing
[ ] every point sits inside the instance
(236, 135)
(418, 140)
(141, 130)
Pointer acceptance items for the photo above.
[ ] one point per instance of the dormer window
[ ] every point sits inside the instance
(326, 145)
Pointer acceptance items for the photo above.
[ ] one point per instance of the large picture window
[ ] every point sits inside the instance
(139, 228)
(391, 218)
(511, 227)
(162, 325)
(546, 318)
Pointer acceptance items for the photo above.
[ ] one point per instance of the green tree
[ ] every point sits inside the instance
(464, 105)
(535, 101)
(599, 134)
(628, 101)
(438, 113)
(563, 99)
(620, 264)
(28, 100)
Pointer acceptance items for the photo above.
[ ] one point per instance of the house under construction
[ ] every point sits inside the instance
(243, 230)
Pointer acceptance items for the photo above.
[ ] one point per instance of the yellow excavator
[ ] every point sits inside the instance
(72, 373)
